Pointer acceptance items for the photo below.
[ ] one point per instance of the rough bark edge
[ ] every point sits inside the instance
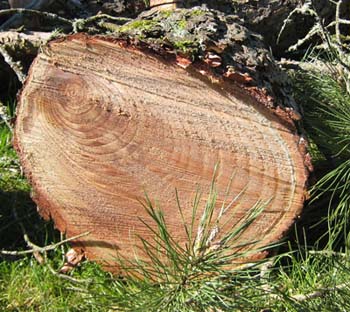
(255, 96)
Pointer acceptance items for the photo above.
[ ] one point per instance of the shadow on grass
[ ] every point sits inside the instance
(313, 229)
(16, 210)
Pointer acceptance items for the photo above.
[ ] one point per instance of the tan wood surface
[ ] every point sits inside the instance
(100, 123)
(165, 4)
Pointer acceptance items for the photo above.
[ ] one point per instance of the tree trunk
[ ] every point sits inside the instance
(265, 17)
(102, 120)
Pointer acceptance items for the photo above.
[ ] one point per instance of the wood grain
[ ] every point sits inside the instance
(165, 4)
(101, 122)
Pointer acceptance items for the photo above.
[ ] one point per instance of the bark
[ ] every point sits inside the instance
(265, 17)
(199, 33)
(101, 120)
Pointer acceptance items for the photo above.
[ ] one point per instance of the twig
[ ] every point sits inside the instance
(305, 9)
(37, 252)
(50, 16)
(337, 18)
(313, 31)
(337, 46)
(77, 289)
(80, 24)
(62, 247)
(319, 293)
(66, 277)
(118, 20)
(37, 255)
(77, 25)
(109, 26)
(339, 21)
(329, 253)
(4, 116)
(333, 45)
(40, 253)
(36, 248)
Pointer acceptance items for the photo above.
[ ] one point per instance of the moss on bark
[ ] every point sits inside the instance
(219, 39)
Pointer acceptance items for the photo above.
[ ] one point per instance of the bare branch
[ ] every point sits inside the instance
(319, 293)
(4, 116)
(80, 24)
(304, 10)
(337, 18)
(313, 31)
(49, 16)
(329, 253)
(66, 277)
(36, 248)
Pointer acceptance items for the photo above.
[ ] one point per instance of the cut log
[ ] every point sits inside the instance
(165, 4)
(101, 121)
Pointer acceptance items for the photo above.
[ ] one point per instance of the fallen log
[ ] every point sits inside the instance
(101, 120)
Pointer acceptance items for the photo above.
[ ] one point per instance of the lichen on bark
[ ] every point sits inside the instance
(218, 39)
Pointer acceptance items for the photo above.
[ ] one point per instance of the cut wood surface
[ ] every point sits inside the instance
(100, 122)
(164, 4)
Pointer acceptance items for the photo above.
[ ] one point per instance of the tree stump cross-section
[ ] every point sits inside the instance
(101, 121)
